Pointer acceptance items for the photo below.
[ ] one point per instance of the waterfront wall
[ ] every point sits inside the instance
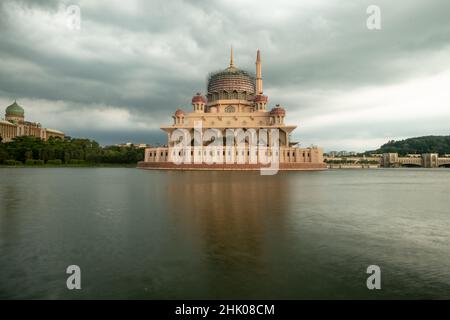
(236, 155)
(243, 167)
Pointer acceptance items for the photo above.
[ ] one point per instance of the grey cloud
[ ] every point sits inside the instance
(153, 59)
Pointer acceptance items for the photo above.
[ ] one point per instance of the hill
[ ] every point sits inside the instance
(426, 144)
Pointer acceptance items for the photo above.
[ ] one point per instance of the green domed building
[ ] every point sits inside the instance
(14, 125)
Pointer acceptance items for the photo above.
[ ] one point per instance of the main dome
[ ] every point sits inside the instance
(231, 79)
(15, 110)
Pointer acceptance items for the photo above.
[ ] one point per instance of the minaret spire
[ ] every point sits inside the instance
(259, 85)
(231, 57)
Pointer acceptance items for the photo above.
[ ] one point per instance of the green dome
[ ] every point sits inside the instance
(15, 110)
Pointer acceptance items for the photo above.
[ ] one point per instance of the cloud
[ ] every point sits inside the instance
(133, 63)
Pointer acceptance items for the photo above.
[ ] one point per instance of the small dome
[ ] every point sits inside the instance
(15, 110)
(278, 111)
(261, 98)
(179, 113)
(198, 98)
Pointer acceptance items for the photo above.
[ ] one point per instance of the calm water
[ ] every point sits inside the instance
(150, 234)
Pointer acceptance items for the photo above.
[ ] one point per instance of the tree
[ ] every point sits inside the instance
(83, 150)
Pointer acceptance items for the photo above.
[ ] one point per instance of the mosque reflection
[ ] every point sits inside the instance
(232, 214)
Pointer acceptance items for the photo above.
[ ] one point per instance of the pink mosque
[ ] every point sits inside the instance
(234, 102)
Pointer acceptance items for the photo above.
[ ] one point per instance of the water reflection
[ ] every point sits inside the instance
(231, 215)
(9, 216)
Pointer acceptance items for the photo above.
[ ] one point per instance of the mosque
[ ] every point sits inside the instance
(15, 125)
(234, 101)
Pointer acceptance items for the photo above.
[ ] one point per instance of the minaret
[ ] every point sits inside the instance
(260, 99)
(259, 87)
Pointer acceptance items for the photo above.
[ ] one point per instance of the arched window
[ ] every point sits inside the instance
(230, 109)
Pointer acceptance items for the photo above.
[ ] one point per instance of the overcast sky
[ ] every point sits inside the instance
(132, 63)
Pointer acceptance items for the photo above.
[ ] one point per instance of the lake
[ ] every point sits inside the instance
(141, 234)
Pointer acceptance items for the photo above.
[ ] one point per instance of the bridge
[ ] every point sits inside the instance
(389, 160)
(426, 160)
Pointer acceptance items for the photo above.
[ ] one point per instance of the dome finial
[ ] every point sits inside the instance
(231, 57)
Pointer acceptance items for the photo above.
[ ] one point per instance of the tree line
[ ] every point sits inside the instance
(418, 145)
(32, 150)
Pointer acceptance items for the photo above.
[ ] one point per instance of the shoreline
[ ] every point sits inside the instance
(353, 166)
(133, 166)
(72, 166)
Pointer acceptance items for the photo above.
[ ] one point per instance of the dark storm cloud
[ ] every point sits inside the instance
(150, 57)
(110, 137)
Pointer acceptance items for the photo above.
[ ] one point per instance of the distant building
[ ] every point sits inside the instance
(346, 153)
(15, 125)
(333, 154)
(124, 145)
(130, 144)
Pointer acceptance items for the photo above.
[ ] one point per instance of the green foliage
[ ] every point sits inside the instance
(10, 162)
(56, 151)
(33, 162)
(55, 162)
(368, 161)
(418, 145)
(76, 161)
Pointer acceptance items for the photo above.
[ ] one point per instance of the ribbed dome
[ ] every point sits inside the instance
(230, 80)
(15, 110)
